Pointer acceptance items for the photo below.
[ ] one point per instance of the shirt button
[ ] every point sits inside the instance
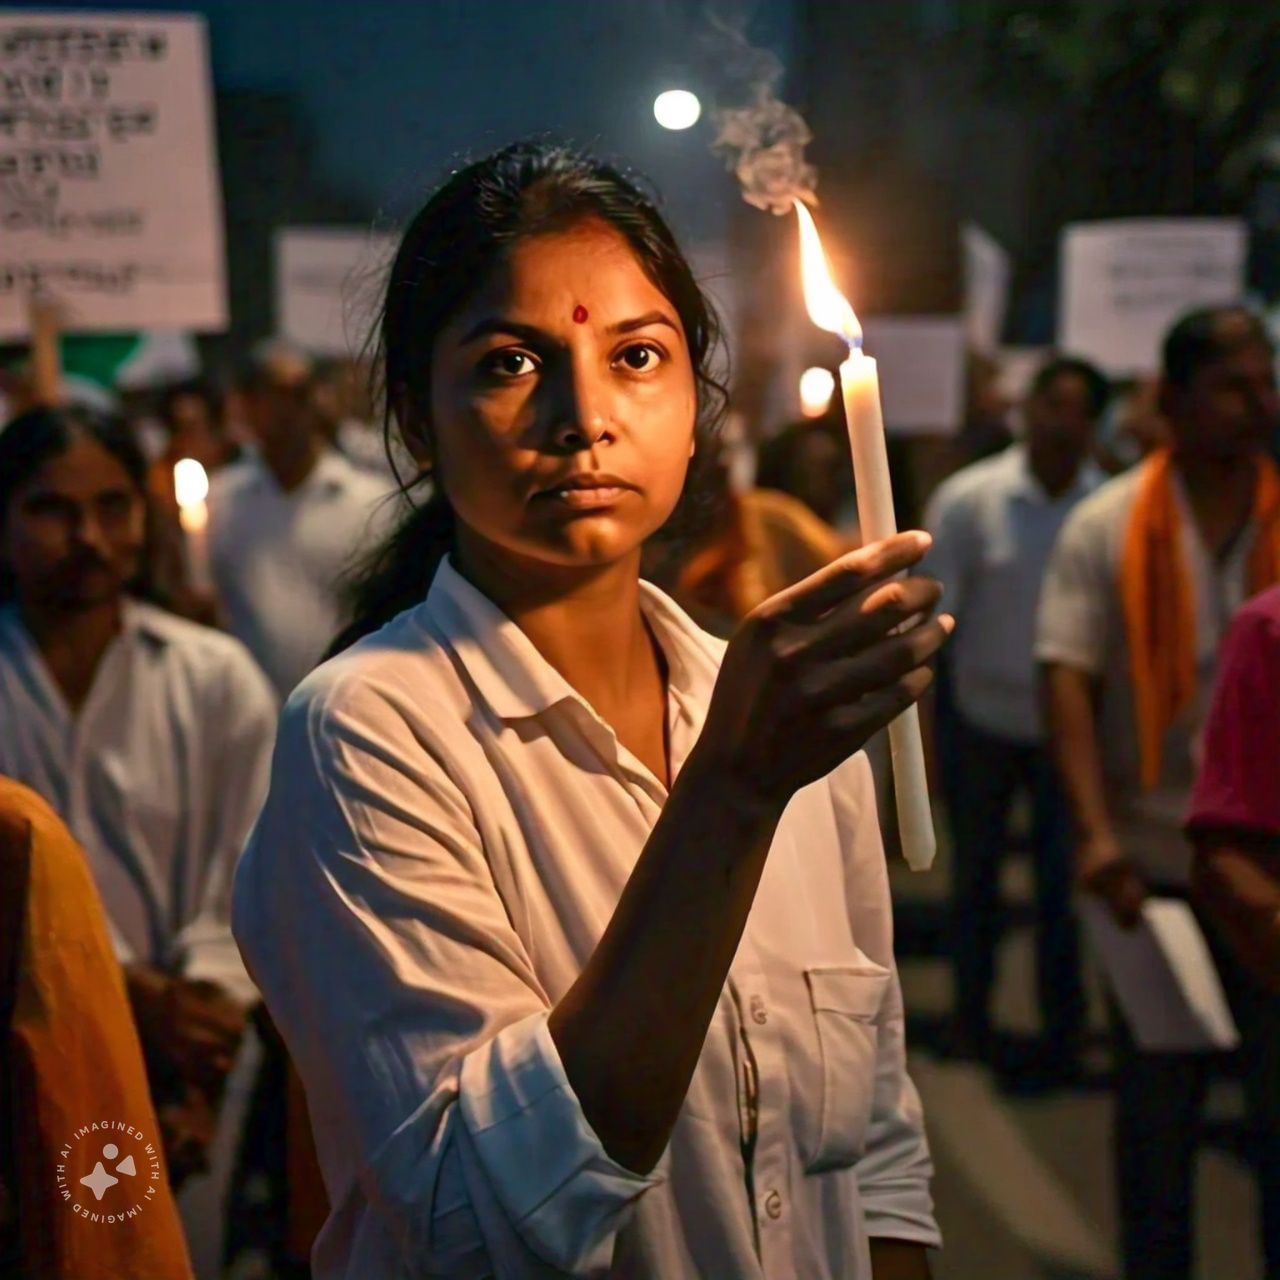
(759, 1014)
(773, 1205)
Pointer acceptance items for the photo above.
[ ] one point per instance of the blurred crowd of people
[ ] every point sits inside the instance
(1097, 547)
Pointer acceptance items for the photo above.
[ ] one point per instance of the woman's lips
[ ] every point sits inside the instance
(586, 498)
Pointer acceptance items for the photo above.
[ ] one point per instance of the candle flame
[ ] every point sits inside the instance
(828, 308)
(190, 483)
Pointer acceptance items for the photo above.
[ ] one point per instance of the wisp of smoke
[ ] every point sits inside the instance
(761, 138)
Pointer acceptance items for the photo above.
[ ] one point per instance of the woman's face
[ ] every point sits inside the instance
(74, 533)
(563, 404)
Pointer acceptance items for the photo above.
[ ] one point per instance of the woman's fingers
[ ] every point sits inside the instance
(870, 714)
(852, 573)
(896, 605)
(879, 665)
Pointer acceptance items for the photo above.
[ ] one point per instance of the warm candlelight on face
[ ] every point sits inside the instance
(860, 386)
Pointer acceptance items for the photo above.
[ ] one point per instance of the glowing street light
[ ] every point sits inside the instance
(677, 109)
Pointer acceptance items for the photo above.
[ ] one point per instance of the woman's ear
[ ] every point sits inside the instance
(413, 428)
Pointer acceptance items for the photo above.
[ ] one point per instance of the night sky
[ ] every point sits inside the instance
(396, 91)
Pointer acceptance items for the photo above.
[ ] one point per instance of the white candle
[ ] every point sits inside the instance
(860, 385)
(191, 486)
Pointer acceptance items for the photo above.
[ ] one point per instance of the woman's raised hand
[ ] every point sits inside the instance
(815, 670)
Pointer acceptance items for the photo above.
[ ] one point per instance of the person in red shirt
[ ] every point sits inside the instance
(1234, 825)
(1234, 821)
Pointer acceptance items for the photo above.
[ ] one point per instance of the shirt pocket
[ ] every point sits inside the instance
(845, 1000)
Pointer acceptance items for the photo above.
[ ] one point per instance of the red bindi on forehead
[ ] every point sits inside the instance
(579, 314)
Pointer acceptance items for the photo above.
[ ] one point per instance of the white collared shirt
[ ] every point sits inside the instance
(159, 776)
(993, 529)
(449, 829)
(1082, 625)
(278, 559)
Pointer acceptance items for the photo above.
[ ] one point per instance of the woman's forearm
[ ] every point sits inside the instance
(630, 1030)
(808, 677)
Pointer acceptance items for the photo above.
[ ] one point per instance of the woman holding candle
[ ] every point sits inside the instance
(576, 923)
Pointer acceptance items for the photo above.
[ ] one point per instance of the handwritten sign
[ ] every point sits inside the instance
(1125, 282)
(920, 360)
(109, 193)
(987, 271)
(329, 283)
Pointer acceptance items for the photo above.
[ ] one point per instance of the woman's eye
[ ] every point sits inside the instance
(509, 364)
(640, 357)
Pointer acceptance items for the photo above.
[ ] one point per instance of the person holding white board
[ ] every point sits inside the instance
(1139, 591)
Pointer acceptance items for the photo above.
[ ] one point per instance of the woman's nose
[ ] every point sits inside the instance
(583, 416)
(579, 432)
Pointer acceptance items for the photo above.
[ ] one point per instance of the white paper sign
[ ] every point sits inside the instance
(1125, 282)
(329, 283)
(1018, 367)
(920, 360)
(109, 192)
(1163, 976)
(987, 269)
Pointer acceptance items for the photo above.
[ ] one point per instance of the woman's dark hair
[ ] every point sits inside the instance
(450, 247)
(38, 436)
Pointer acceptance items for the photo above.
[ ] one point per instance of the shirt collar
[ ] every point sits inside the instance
(137, 620)
(330, 474)
(517, 681)
(145, 622)
(1025, 485)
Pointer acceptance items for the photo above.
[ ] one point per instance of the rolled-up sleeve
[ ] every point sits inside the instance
(449, 1137)
(1071, 625)
(895, 1170)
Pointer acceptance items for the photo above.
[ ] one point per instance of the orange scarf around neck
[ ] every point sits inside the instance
(1159, 603)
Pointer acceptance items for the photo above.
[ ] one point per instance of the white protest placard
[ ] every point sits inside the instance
(987, 271)
(921, 363)
(1125, 282)
(109, 195)
(329, 283)
(1163, 976)
(1017, 368)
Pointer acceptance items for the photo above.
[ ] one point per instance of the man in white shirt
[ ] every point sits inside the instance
(287, 523)
(994, 524)
(150, 736)
(1145, 577)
